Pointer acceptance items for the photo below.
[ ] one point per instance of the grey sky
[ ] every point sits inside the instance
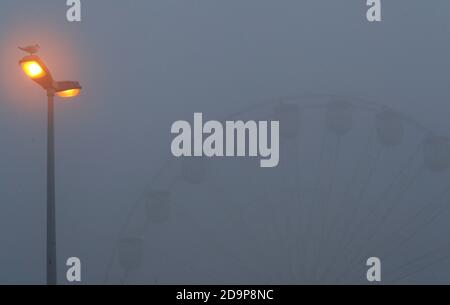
(144, 64)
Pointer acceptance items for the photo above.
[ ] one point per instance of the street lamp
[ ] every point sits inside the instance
(36, 69)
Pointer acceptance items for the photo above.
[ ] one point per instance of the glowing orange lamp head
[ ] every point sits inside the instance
(33, 69)
(68, 93)
(36, 69)
(67, 89)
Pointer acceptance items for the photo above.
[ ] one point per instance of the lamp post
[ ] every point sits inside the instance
(35, 69)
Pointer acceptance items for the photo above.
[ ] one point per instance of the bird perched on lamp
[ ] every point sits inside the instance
(30, 49)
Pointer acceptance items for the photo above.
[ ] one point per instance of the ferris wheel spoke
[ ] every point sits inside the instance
(386, 214)
(351, 182)
(223, 250)
(422, 263)
(433, 214)
(309, 229)
(300, 240)
(373, 206)
(239, 220)
(359, 234)
(340, 244)
(344, 242)
(325, 204)
(364, 251)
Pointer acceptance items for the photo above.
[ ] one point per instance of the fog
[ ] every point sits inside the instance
(363, 169)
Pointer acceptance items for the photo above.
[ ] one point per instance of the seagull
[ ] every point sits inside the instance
(30, 49)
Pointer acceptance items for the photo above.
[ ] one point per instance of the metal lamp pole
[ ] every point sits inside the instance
(51, 207)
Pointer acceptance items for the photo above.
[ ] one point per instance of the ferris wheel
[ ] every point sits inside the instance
(356, 179)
